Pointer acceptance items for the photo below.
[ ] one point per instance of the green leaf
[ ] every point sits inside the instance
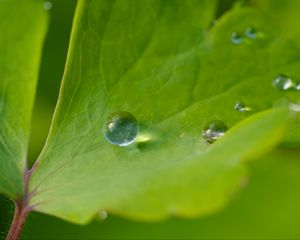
(159, 61)
(268, 208)
(189, 182)
(285, 14)
(23, 26)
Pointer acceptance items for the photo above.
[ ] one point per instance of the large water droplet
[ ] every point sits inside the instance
(47, 5)
(121, 128)
(250, 33)
(283, 82)
(236, 38)
(240, 106)
(214, 130)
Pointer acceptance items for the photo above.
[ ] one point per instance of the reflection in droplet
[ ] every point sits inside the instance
(144, 137)
(121, 128)
(240, 106)
(214, 130)
(236, 38)
(283, 82)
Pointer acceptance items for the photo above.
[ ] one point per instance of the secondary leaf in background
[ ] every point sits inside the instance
(20, 49)
(156, 60)
(51, 70)
(285, 14)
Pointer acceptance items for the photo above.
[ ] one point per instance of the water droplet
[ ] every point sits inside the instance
(236, 38)
(103, 215)
(214, 130)
(297, 87)
(294, 107)
(283, 82)
(121, 128)
(250, 33)
(240, 106)
(47, 5)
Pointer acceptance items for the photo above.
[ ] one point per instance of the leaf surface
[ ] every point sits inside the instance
(270, 194)
(20, 49)
(160, 61)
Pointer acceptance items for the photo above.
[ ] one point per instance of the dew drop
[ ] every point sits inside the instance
(121, 128)
(297, 87)
(214, 130)
(236, 38)
(240, 106)
(283, 82)
(47, 5)
(251, 33)
(103, 215)
(294, 107)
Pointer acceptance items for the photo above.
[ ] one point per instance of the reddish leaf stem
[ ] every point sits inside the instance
(22, 209)
(16, 227)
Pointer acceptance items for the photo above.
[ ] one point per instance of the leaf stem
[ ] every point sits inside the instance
(16, 227)
(22, 209)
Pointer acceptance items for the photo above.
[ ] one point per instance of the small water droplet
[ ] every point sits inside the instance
(121, 128)
(294, 107)
(297, 87)
(236, 38)
(47, 5)
(103, 215)
(240, 106)
(214, 130)
(283, 82)
(251, 33)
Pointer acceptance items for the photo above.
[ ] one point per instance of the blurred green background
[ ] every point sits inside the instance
(268, 207)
